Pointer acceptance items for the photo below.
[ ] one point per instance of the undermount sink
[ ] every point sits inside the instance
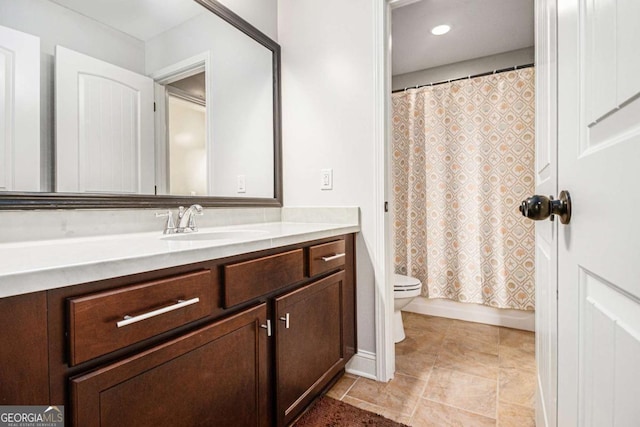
(216, 235)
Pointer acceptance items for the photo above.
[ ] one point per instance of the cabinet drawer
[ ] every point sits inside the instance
(326, 257)
(245, 281)
(106, 321)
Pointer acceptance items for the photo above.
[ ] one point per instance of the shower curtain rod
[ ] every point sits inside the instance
(488, 73)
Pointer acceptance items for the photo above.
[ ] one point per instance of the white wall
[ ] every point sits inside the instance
(187, 144)
(464, 68)
(239, 100)
(262, 14)
(328, 87)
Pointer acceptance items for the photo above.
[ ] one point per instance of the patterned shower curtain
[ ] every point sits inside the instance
(463, 159)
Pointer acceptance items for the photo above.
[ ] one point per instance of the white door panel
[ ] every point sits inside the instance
(599, 253)
(627, 47)
(546, 238)
(19, 111)
(104, 127)
(610, 333)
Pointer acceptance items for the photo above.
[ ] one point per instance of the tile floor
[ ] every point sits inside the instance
(452, 373)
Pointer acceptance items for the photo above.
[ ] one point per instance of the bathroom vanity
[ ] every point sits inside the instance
(226, 326)
(246, 339)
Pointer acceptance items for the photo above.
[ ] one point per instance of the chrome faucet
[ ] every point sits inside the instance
(186, 218)
(186, 222)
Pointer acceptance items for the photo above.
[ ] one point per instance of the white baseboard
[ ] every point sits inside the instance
(363, 364)
(516, 319)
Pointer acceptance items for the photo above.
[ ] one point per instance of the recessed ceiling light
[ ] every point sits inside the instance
(440, 30)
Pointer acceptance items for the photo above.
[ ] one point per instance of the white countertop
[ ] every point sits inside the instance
(47, 264)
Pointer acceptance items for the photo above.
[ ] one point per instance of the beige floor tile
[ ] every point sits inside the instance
(341, 387)
(510, 415)
(425, 323)
(454, 364)
(478, 341)
(517, 386)
(399, 395)
(475, 328)
(514, 338)
(457, 357)
(517, 358)
(387, 413)
(423, 341)
(434, 414)
(414, 363)
(464, 391)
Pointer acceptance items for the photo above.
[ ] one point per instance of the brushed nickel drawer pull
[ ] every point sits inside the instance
(133, 319)
(285, 319)
(332, 257)
(267, 327)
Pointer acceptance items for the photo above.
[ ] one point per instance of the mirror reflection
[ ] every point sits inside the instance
(150, 98)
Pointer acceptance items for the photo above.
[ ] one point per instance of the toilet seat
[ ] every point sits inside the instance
(403, 283)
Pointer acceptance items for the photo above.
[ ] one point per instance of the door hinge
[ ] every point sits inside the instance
(154, 107)
(386, 206)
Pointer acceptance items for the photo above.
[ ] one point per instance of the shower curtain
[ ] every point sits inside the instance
(463, 159)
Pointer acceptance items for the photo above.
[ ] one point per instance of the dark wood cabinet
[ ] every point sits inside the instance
(24, 373)
(310, 348)
(96, 321)
(262, 335)
(216, 375)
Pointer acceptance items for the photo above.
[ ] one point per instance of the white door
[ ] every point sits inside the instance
(104, 127)
(599, 251)
(546, 231)
(19, 111)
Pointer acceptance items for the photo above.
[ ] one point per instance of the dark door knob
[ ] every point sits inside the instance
(542, 207)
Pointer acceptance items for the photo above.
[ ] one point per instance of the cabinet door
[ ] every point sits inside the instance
(216, 375)
(309, 345)
(24, 373)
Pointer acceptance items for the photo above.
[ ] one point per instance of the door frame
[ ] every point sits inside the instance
(546, 243)
(162, 77)
(385, 350)
(382, 251)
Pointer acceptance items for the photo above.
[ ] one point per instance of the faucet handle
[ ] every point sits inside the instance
(195, 210)
(170, 225)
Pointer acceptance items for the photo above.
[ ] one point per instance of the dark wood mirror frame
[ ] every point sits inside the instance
(36, 200)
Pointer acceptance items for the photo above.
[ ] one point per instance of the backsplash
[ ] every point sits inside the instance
(22, 226)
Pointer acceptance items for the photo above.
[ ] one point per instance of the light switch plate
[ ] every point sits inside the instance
(242, 185)
(326, 179)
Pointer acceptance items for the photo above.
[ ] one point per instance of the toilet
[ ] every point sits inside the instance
(405, 289)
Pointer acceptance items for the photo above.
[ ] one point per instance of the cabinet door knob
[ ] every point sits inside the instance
(267, 327)
(285, 319)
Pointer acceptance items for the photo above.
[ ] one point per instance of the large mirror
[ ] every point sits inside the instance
(133, 103)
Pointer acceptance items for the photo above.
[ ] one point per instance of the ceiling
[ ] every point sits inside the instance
(478, 28)
(194, 85)
(142, 19)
